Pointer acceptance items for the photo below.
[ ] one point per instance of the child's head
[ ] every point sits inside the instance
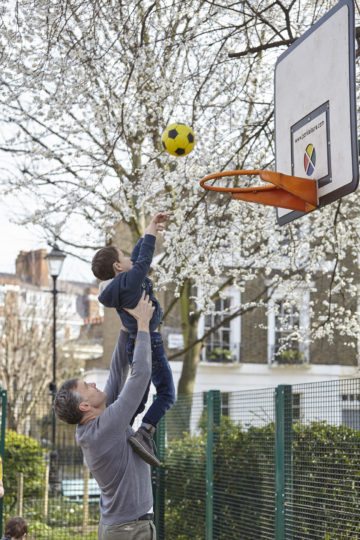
(16, 527)
(108, 262)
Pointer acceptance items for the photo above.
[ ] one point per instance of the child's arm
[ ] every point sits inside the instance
(141, 267)
(135, 252)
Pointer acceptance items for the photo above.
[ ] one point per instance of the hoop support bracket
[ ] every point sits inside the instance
(291, 192)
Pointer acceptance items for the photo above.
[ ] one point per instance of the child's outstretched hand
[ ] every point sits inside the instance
(156, 224)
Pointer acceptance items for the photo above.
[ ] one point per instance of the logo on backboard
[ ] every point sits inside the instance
(309, 159)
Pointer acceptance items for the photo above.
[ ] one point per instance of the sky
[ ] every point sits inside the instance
(15, 238)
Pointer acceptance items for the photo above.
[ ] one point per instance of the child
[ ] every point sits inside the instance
(128, 280)
(15, 529)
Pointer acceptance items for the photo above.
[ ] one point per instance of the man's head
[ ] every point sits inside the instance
(78, 402)
(16, 527)
(108, 262)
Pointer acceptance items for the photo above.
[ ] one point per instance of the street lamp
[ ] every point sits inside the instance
(55, 260)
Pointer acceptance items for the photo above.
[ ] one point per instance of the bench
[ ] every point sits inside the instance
(74, 489)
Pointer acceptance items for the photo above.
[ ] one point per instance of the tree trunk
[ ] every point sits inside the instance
(179, 417)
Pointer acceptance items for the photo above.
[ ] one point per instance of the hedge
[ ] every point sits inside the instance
(326, 483)
(23, 454)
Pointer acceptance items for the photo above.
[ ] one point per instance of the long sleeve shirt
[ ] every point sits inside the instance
(125, 290)
(123, 477)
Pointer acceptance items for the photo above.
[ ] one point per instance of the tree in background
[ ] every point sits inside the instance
(25, 362)
(26, 358)
(87, 89)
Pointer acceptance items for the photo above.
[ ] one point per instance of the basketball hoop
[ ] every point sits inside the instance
(292, 192)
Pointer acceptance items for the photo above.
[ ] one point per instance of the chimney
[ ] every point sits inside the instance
(31, 267)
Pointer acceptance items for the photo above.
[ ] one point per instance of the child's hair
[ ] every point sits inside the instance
(15, 527)
(102, 263)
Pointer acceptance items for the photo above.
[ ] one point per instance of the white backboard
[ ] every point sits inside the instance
(315, 108)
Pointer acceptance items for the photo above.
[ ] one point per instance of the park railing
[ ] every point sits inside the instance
(279, 463)
(276, 463)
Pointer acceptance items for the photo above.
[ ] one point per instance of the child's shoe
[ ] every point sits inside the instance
(144, 445)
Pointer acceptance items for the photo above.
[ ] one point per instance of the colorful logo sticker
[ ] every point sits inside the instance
(309, 159)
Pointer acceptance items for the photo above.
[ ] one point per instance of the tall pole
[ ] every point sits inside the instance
(53, 384)
(53, 474)
(55, 260)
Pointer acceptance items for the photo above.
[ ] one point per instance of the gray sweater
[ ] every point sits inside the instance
(123, 477)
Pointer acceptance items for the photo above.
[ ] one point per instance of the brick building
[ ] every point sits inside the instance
(246, 352)
(79, 316)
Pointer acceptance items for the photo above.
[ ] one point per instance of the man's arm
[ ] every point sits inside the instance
(119, 414)
(119, 369)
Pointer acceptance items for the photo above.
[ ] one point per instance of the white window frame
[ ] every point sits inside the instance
(235, 325)
(297, 405)
(350, 410)
(303, 297)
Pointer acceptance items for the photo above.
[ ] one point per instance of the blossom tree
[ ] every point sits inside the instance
(25, 361)
(87, 89)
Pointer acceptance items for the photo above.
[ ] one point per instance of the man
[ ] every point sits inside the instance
(103, 430)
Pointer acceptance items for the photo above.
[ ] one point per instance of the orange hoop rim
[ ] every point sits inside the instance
(253, 172)
(285, 191)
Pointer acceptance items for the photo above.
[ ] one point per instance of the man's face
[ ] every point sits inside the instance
(88, 391)
(125, 262)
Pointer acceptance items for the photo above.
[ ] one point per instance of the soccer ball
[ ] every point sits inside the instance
(178, 139)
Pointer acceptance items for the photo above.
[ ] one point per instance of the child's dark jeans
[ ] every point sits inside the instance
(161, 377)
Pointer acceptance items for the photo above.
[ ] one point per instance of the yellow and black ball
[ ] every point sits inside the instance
(178, 139)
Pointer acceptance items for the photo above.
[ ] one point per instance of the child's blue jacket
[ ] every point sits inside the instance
(125, 290)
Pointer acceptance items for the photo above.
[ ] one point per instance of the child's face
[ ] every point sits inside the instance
(124, 263)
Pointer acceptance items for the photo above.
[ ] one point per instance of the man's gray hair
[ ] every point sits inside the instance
(67, 401)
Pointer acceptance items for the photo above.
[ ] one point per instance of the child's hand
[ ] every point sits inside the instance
(161, 217)
(156, 224)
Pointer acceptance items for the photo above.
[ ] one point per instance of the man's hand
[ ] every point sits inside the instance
(142, 313)
(156, 224)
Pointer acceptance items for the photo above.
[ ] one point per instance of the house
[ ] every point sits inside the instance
(79, 317)
(247, 352)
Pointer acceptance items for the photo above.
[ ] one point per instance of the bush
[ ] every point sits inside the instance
(23, 455)
(325, 500)
(326, 481)
(185, 474)
(243, 469)
(244, 481)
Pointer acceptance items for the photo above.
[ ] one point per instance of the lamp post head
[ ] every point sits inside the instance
(55, 260)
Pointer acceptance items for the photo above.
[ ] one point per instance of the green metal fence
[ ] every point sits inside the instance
(3, 396)
(220, 473)
(277, 463)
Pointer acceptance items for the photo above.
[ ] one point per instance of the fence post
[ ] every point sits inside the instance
(158, 481)
(283, 460)
(85, 513)
(46, 492)
(213, 406)
(2, 447)
(20, 494)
